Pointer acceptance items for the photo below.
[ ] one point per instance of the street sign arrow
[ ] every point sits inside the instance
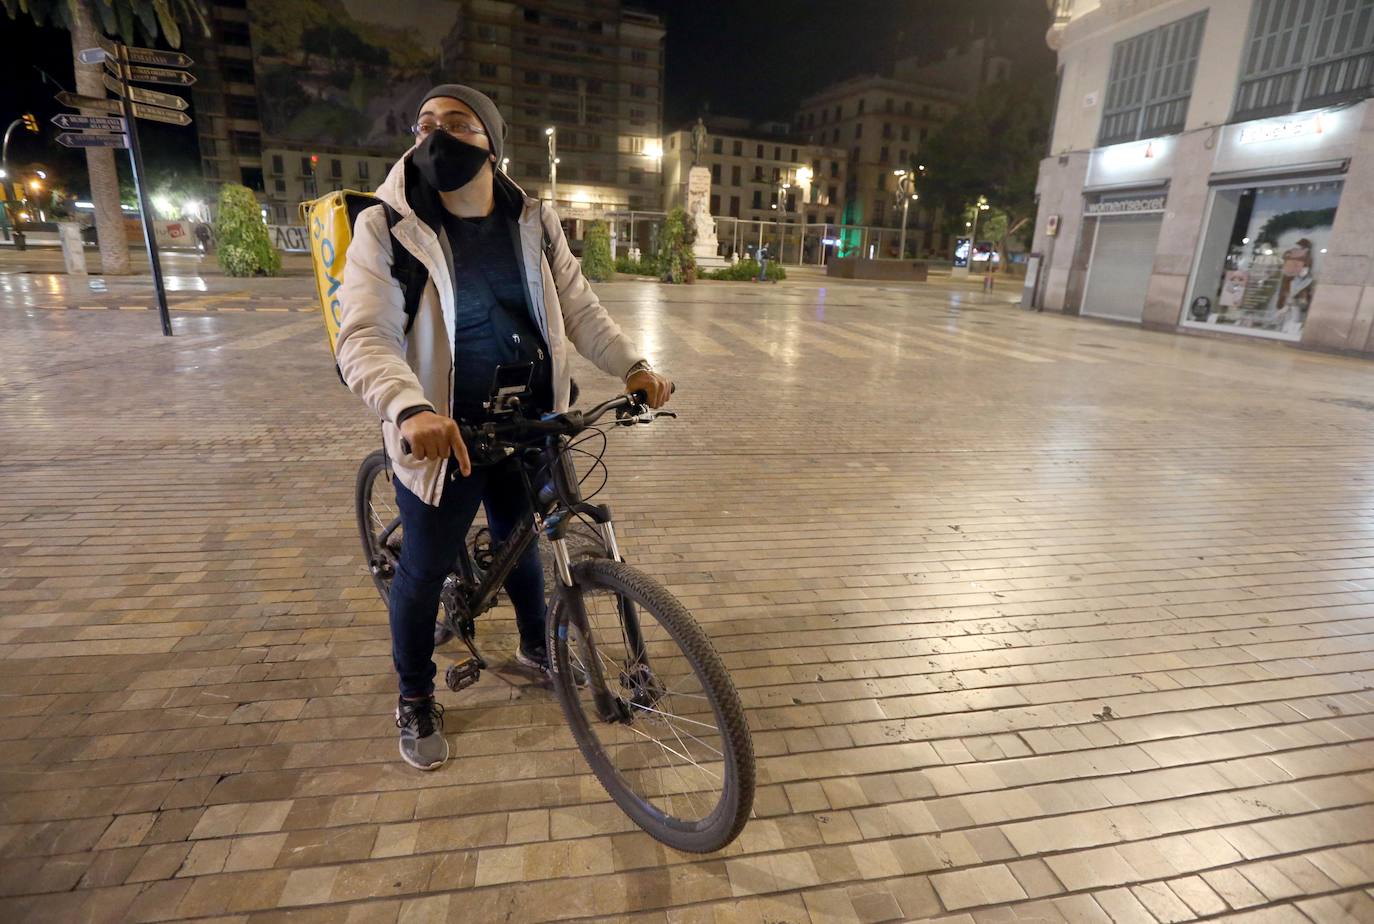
(158, 114)
(92, 55)
(91, 140)
(161, 75)
(147, 55)
(140, 95)
(98, 103)
(99, 123)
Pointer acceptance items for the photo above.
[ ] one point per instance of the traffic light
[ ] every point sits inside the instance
(314, 162)
(30, 122)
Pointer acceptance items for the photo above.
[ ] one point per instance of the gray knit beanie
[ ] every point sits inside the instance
(482, 106)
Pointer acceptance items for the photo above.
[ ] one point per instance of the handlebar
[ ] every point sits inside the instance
(567, 423)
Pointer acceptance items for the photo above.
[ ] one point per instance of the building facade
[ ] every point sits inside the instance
(293, 108)
(882, 122)
(760, 172)
(1210, 166)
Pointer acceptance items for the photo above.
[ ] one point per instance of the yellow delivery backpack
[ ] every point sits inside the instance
(329, 221)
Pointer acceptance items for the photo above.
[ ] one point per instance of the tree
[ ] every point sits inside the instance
(675, 248)
(130, 19)
(991, 147)
(596, 253)
(242, 244)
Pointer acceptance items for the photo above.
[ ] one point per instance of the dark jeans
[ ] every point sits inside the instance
(763, 269)
(430, 539)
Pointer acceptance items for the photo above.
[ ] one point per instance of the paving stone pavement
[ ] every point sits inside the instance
(1035, 619)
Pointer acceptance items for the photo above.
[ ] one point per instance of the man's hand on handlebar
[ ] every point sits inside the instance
(657, 387)
(434, 436)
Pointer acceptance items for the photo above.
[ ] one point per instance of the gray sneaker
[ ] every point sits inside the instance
(421, 722)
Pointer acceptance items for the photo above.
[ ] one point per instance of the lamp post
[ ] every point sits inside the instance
(804, 176)
(980, 206)
(906, 187)
(552, 134)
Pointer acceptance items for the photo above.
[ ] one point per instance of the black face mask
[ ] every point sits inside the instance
(447, 163)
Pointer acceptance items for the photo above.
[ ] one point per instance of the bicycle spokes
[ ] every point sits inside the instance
(657, 726)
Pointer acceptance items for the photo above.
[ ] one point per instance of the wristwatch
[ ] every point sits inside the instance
(641, 366)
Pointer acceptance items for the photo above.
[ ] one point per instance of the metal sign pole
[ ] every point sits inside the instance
(136, 159)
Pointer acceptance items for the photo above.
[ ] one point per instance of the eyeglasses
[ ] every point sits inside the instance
(453, 126)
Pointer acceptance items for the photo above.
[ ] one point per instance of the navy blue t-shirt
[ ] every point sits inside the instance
(491, 314)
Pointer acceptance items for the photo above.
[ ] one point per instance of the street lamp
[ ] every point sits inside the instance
(505, 165)
(552, 134)
(980, 206)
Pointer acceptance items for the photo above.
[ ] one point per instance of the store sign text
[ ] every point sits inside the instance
(1277, 130)
(1122, 206)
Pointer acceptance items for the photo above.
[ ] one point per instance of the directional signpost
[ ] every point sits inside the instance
(94, 123)
(145, 65)
(92, 140)
(98, 103)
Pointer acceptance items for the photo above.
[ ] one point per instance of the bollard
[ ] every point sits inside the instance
(73, 248)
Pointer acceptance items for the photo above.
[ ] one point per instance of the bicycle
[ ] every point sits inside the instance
(627, 660)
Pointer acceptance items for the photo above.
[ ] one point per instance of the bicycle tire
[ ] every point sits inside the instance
(652, 600)
(368, 473)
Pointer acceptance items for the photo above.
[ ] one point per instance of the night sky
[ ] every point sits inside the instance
(752, 58)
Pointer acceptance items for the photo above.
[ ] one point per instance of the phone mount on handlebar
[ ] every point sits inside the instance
(509, 386)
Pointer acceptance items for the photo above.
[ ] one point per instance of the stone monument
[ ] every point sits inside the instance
(699, 203)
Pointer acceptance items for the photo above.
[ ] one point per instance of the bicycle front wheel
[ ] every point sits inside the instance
(379, 521)
(676, 755)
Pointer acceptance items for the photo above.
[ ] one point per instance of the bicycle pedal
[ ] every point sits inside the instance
(462, 674)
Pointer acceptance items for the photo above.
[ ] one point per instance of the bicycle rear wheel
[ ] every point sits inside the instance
(678, 759)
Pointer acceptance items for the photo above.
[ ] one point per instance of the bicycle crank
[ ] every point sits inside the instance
(462, 674)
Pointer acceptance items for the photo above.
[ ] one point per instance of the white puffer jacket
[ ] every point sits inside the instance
(392, 370)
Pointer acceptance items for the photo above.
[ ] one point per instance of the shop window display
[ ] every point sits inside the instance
(1261, 258)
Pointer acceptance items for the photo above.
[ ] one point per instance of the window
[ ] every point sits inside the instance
(878, 211)
(335, 168)
(236, 71)
(486, 70)
(883, 155)
(637, 91)
(594, 173)
(636, 176)
(563, 81)
(734, 206)
(235, 33)
(835, 136)
(887, 129)
(716, 146)
(906, 132)
(858, 130)
(207, 147)
(566, 47)
(794, 155)
(532, 78)
(739, 148)
(307, 168)
(363, 172)
(924, 132)
(241, 107)
(277, 166)
(855, 157)
(486, 33)
(1150, 82)
(758, 174)
(777, 176)
(1306, 54)
(925, 111)
(637, 116)
(758, 198)
(906, 108)
(639, 55)
(531, 16)
(760, 154)
(825, 116)
(532, 40)
(563, 22)
(839, 112)
(882, 181)
(246, 144)
(777, 153)
(715, 175)
(280, 186)
(861, 106)
(834, 168)
(734, 175)
(834, 196)
(715, 204)
(888, 107)
(251, 177)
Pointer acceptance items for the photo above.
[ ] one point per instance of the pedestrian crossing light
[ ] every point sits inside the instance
(30, 122)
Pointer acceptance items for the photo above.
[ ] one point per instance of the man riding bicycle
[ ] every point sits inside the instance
(503, 289)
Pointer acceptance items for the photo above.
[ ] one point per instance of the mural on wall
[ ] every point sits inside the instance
(350, 72)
